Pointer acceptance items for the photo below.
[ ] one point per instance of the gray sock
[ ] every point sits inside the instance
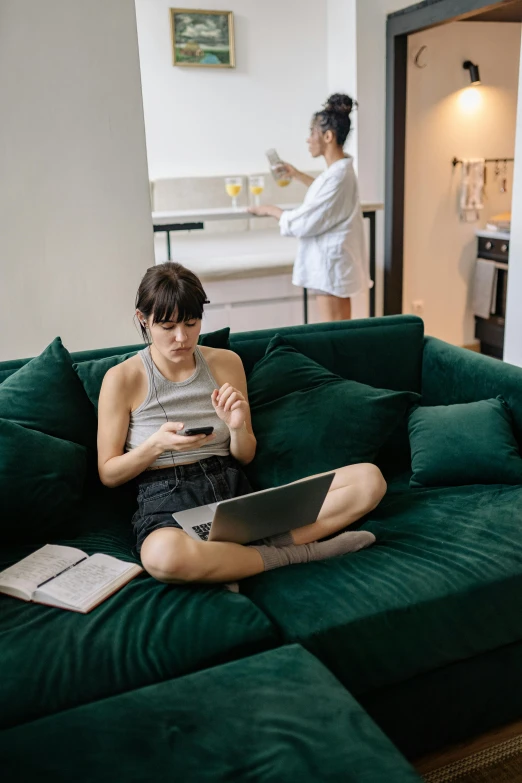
(277, 556)
(282, 539)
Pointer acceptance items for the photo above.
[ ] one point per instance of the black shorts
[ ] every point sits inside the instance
(163, 492)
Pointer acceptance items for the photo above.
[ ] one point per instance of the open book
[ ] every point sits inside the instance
(66, 577)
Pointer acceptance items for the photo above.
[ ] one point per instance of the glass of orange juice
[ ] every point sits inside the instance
(283, 180)
(257, 184)
(233, 187)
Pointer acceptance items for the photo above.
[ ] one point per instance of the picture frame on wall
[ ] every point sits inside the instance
(202, 39)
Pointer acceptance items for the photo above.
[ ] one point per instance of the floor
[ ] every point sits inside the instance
(457, 752)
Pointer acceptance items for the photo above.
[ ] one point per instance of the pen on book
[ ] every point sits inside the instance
(61, 572)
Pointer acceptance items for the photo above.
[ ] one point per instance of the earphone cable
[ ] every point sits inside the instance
(151, 371)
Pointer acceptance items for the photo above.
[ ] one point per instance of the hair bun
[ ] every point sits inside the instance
(342, 104)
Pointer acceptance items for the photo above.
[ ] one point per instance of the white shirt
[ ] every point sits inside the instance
(331, 255)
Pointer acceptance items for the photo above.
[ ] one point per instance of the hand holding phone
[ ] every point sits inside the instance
(198, 431)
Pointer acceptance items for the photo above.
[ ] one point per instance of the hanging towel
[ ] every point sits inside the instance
(472, 189)
(484, 288)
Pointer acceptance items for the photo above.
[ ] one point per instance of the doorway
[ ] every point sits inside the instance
(402, 28)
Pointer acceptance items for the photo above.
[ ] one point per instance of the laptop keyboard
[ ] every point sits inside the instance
(203, 530)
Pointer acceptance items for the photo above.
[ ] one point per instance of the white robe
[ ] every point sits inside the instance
(331, 255)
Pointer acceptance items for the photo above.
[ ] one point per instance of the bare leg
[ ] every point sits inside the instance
(355, 491)
(333, 308)
(170, 555)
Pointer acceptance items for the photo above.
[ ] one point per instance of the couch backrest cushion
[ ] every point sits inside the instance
(454, 375)
(41, 482)
(46, 395)
(92, 371)
(381, 352)
(309, 420)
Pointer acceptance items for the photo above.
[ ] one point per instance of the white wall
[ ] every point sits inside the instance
(200, 121)
(513, 334)
(371, 91)
(447, 118)
(371, 94)
(342, 57)
(75, 226)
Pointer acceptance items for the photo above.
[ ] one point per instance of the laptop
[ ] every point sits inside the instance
(258, 515)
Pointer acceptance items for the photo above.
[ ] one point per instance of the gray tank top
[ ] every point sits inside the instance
(188, 401)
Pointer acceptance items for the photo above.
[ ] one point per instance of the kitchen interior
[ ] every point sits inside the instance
(462, 94)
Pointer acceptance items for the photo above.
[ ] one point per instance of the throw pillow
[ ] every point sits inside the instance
(308, 420)
(46, 395)
(466, 443)
(41, 481)
(92, 373)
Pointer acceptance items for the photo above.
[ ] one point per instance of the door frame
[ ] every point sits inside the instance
(421, 16)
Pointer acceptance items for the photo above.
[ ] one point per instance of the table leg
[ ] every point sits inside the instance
(373, 244)
(305, 305)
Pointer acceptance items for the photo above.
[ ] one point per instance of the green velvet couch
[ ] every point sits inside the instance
(311, 672)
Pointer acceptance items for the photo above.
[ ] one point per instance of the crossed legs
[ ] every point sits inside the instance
(170, 555)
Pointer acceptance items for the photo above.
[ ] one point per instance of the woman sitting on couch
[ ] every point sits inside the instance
(144, 404)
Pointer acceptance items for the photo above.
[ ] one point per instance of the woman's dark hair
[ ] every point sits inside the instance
(336, 116)
(170, 289)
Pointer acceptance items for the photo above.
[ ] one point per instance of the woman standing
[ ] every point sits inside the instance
(331, 257)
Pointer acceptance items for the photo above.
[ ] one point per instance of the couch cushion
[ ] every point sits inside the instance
(442, 583)
(382, 352)
(454, 375)
(279, 716)
(92, 372)
(312, 420)
(46, 395)
(465, 443)
(52, 659)
(41, 481)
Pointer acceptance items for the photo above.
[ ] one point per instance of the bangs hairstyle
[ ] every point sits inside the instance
(170, 290)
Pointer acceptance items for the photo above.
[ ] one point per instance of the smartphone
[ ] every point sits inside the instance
(198, 431)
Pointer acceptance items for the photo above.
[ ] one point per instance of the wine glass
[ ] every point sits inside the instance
(257, 184)
(233, 187)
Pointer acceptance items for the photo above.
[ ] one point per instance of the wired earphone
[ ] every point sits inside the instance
(151, 377)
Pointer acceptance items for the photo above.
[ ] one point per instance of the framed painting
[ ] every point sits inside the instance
(204, 39)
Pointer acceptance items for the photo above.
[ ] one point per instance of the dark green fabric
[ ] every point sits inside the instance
(442, 583)
(92, 372)
(278, 717)
(465, 443)
(451, 375)
(4, 374)
(41, 481)
(382, 352)
(451, 704)
(308, 420)
(52, 659)
(218, 339)
(46, 395)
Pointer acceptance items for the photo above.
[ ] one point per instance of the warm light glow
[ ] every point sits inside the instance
(470, 99)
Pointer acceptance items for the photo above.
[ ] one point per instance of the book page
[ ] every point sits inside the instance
(77, 585)
(43, 564)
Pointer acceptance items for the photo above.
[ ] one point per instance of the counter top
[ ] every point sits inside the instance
(234, 256)
(226, 213)
(493, 234)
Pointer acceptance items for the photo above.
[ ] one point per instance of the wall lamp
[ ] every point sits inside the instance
(473, 71)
